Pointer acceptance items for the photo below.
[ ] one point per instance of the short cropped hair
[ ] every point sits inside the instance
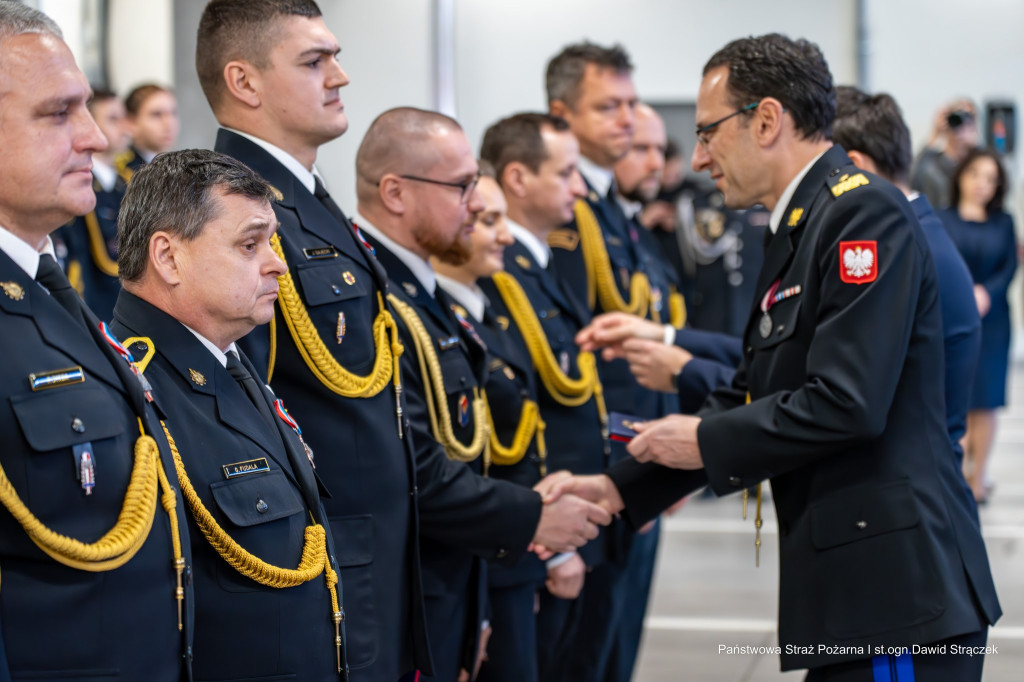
(100, 93)
(17, 19)
(792, 71)
(240, 29)
(873, 125)
(518, 139)
(138, 96)
(995, 204)
(565, 70)
(175, 193)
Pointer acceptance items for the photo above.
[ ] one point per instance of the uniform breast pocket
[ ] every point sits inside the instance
(777, 325)
(264, 515)
(338, 297)
(53, 422)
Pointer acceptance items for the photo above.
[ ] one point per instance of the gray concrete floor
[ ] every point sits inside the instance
(708, 593)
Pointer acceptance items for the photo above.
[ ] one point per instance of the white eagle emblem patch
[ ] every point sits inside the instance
(859, 262)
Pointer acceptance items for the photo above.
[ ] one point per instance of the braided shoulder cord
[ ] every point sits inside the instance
(601, 284)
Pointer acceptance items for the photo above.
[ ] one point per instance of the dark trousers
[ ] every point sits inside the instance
(636, 585)
(512, 650)
(950, 666)
(557, 622)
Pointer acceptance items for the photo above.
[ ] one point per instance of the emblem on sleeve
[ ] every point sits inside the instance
(858, 262)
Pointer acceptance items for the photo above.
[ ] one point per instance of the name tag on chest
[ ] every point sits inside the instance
(250, 466)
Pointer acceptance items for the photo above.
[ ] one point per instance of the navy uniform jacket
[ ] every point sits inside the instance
(714, 362)
(367, 468)
(876, 545)
(508, 382)
(61, 623)
(961, 325)
(463, 516)
(244, 630)
(573, 434)
(92, 251)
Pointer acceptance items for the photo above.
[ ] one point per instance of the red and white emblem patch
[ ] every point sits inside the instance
(858, 262)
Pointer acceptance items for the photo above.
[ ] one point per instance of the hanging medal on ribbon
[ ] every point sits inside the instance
(294, 425)
(772, 297)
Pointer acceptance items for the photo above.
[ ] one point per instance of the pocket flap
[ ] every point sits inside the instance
(339, 280)
(257, 498)
(61, 417)
(353, 539)
(863, 513)
(783, 319)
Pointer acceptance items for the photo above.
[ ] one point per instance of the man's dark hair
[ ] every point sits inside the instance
(177, 192)
(240, 29)
(995, 204)
(518, 138)
(565, 70)
(100, 93)
(673, 149)
(873, 125)
(138, 96)
(792, 71)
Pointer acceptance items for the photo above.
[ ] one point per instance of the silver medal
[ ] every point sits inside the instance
(765, 327)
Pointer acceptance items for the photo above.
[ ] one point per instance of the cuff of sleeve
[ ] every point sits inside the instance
(669, 337)
(559, 559)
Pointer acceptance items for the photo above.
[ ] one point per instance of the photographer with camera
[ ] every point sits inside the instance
(954, 135)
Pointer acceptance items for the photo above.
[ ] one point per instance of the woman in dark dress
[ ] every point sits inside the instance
(984, 235)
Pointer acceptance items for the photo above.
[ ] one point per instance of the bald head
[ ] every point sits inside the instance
(401, 141)
(639, 172)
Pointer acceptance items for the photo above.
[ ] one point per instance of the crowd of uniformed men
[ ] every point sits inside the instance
(430, 436)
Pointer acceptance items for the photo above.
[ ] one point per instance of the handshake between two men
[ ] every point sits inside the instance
(670, 441)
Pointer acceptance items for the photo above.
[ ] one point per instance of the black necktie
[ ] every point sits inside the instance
(240, 374)
(56, 282)
(320, 192)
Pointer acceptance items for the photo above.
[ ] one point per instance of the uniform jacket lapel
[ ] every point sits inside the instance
(55, 325)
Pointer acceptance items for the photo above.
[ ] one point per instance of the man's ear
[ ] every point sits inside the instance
(559, 108)
(164, 257)
(391, 193)
(513, 179)
(242, 81)
(862, 161)
(769, 119)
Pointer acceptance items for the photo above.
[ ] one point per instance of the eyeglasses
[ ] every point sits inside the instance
(466, 187)
(702, 132)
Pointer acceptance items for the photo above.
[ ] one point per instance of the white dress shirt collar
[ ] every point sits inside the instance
(306, 177)
(599, 178)
(222, 357)
(420, 268)
(104, 173)
(787, 195)
(541, 252)
(22, 253)
(472, 298)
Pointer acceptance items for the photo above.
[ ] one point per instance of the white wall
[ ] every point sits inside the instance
(502, 48)
(142, 41)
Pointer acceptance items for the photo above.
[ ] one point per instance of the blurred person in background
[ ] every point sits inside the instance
(984, 235)
(954, 134)
(152, 121)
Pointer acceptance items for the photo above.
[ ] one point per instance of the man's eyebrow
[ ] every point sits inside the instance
(329, 51)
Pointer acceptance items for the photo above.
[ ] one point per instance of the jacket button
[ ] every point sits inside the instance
(735, 481)
(77, 425)
(262, 506)
(502, 553)
(750, 349)
(861, 525)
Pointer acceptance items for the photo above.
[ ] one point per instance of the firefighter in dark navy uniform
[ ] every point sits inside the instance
(836, 401)
(91, 261)
(416, 183)
(95, 557)
(192, 287)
